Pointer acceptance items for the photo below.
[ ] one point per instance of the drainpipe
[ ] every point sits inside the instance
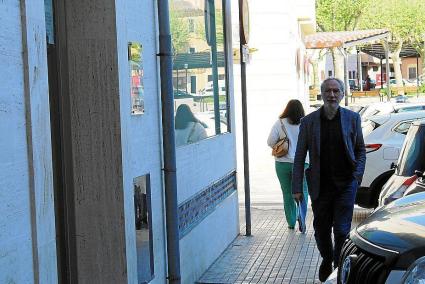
(168, 144)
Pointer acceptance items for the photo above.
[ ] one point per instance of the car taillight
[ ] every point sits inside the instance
(372, 147)
(400, 191)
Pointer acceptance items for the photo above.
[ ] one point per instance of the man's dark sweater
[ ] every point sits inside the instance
(335, 166)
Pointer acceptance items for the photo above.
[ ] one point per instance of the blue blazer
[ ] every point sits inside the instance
(309, 141)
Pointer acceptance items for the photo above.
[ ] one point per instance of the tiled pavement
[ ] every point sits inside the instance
(273, 254)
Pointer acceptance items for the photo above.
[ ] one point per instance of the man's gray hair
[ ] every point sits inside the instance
(340, 83)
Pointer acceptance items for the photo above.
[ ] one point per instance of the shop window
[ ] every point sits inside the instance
(191, 25)
(412, 73)
(201, 106)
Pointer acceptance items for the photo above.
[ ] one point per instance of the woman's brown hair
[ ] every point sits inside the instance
(294, 111)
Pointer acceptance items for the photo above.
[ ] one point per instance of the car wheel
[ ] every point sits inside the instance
(377, 184)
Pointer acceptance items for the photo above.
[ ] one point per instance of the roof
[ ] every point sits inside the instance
(196, 60)
(344, 38)
(377, 50)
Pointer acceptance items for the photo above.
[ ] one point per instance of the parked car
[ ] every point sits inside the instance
(411, 159)
(353, 84)
(389, 107)
(387, 247)
(384, 136)
(409, 83)
(208, 91)
(180, 94)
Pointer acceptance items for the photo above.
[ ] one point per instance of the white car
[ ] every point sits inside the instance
(389, 107)
(384, 136)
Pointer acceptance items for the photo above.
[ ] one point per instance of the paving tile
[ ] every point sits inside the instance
(273, 254)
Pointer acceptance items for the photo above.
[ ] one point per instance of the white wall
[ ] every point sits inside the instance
(27, 227)
(141, 134)
(198, 164)
(271, 82)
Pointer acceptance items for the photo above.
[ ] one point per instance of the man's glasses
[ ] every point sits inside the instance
(335, 91)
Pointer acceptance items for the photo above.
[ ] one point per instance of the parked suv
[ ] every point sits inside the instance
(384, 136)
(387, 247)
(412, 158)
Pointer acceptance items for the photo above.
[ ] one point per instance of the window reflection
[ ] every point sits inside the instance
(199, 67)
(143, 224)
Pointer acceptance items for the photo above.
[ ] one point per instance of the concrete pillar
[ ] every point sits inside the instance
(91, 140)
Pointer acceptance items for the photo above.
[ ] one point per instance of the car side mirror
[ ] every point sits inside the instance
(419, 174)
(393, 166)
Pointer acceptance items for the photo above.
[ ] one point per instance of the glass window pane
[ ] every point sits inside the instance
(199, 69)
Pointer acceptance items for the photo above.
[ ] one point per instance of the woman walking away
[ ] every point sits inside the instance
(288, 125)
(188, 129)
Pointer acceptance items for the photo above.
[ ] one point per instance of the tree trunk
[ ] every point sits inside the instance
(395, 56)
(338, 63)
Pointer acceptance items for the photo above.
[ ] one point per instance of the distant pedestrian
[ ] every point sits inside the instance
(333, 137)
(367, 84)
(188, 128)
(288, 125)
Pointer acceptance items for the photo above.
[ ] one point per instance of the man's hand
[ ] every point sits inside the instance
(297, 196)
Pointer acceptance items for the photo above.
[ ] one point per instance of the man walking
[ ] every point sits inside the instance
(333, 137)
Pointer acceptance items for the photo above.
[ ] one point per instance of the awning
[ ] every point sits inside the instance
(344, 39)
(196, 60)
(378, 51)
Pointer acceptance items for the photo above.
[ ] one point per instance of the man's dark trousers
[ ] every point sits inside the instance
(333, 207)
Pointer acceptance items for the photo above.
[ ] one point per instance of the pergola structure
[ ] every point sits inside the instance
(377, 38)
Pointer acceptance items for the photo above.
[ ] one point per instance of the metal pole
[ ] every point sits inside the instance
(245, 127)
(214, 64)
(177, 80)
(347, 85)
(382, 75)
(417, 75)
(387, 71)
(168, 144)
(360, 70)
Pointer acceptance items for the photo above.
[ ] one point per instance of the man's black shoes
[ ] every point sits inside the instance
(325, 270)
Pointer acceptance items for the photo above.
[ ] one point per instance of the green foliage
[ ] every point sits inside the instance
(404, 18)
(179, 27)
(339, 15)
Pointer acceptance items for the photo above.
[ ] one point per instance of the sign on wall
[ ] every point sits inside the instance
(135, 53)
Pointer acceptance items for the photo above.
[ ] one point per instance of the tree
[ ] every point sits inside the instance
(405, 19)
(339, 15)
(179, 28)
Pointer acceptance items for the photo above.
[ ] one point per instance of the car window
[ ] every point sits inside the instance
(403, 127)
(413, 153)
(368, 127)
(413, 108)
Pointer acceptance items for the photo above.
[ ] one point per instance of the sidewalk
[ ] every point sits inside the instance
(273, 254)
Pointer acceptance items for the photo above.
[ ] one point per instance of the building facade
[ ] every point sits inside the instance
(276, 72)
(81, 156)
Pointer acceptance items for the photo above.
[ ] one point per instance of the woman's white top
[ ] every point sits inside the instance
(277, 133)
(191, 134)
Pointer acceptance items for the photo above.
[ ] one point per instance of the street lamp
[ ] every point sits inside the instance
(185, 67)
